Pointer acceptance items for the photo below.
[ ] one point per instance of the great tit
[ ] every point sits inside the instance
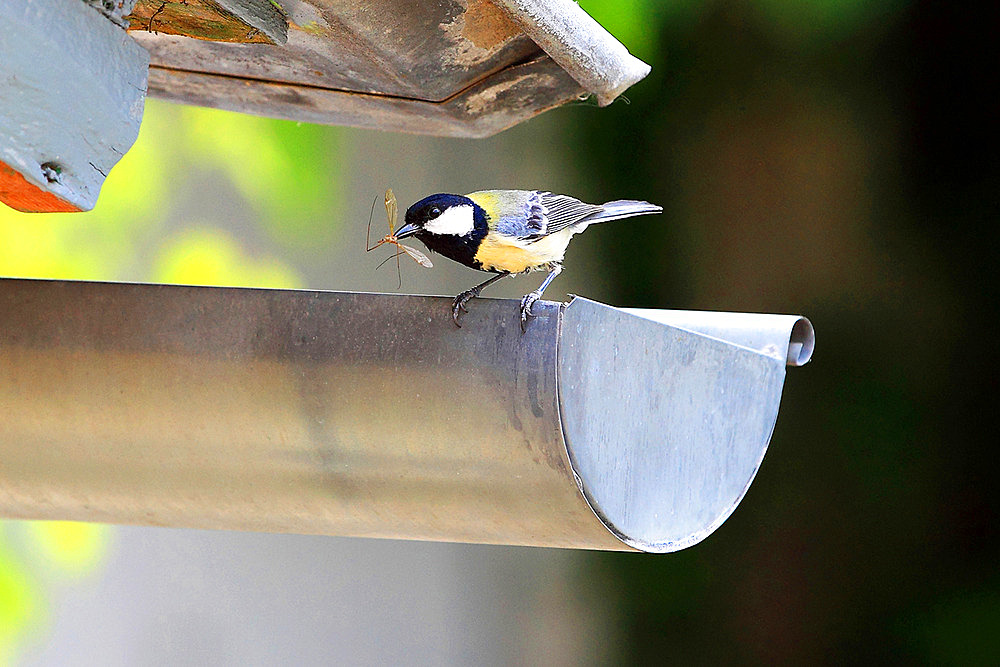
(507, 232)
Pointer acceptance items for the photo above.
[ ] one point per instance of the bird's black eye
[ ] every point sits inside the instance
(434, 212)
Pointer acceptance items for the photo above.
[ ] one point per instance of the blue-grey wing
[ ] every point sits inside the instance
(525, 217)
(544, 213)
(532, 215)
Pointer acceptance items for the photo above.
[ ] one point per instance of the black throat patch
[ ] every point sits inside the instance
(461, 249)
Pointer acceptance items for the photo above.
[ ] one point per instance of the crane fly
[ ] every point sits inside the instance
(391, 211)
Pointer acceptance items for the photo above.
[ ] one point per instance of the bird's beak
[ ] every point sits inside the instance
(409, 229)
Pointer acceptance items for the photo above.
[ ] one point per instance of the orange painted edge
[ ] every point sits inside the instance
(21, 195)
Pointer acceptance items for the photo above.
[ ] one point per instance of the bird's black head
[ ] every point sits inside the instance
(452, 225)
(443, 215)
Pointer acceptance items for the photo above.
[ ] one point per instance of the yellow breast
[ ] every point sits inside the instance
(498, 254)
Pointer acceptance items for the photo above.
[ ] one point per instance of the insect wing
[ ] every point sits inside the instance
(420, 257)
(390, 209)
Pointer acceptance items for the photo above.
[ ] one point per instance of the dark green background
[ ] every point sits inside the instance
(849, 171)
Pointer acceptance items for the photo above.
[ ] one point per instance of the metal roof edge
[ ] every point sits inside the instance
(579, 44)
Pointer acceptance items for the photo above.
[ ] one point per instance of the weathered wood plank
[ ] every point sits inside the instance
(443, 63)
(241, 21)
(501, 101)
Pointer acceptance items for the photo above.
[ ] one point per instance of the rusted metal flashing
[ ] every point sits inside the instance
(598, 61)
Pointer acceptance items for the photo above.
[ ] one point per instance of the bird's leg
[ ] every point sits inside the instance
(528, 300)
(469, 294)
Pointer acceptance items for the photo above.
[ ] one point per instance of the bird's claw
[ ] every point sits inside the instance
(458, 306)
(527, 301)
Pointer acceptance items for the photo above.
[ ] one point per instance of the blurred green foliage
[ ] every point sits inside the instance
(636, 23)
(72, 547)
(206, 256)
(46, 550)
(18, 602)
(287, 171)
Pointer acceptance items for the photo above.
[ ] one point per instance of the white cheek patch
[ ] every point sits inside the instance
(454, 221)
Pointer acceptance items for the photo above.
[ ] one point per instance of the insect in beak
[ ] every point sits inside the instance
(393, 237)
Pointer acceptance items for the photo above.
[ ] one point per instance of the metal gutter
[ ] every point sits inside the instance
(372, 415)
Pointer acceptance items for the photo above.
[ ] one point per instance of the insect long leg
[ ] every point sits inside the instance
(399, 272)
(368, 235)
(388, 259)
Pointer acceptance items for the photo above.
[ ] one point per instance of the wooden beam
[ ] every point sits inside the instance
(241, 21)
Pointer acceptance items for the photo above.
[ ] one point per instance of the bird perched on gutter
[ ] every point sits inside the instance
(508, 232)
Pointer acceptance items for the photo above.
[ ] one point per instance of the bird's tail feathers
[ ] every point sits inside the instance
(622, 208)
